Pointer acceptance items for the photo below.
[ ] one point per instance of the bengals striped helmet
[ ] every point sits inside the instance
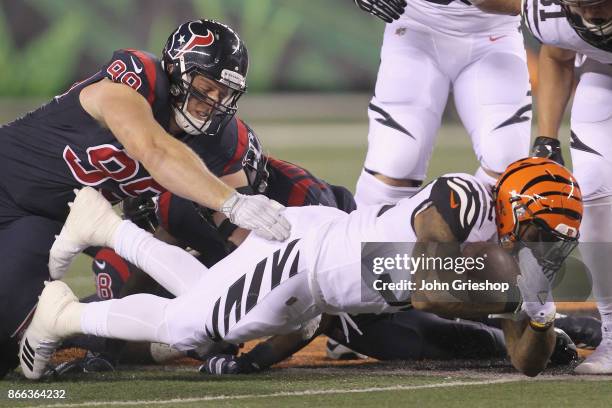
(539, 192)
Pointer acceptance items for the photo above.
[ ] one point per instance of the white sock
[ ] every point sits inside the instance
(371, 191)
(70, 318)
(595, 248)
(172, 267)
(140, 317)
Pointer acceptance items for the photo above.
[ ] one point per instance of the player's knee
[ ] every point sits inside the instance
(500, 147)
(371, 190)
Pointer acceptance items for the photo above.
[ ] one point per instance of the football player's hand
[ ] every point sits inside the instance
(535, 289)
(386, 10)
(548, 147)
(221, 364)
(259, 214)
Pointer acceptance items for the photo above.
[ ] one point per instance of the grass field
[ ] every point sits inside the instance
(334, 151)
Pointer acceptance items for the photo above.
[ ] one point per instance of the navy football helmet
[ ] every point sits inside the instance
(213, 50)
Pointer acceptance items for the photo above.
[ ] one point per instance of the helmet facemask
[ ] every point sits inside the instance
(550, 247)
(220, 112)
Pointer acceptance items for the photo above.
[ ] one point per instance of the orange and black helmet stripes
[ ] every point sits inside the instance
(540, 190)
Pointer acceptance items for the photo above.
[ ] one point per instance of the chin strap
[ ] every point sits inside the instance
(186, 121)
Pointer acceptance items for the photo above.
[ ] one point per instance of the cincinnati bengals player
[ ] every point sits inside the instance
(577, 41)
(433, 47)
(122, 130)
(266, 288)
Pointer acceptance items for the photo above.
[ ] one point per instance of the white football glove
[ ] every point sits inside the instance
(259, 214)
(535, 289)
(386, 10)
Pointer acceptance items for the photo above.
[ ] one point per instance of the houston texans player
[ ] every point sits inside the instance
(266, 288)
(121, 130)
(577, 41)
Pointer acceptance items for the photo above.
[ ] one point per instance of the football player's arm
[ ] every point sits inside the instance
(267, 353)
(169, 161)
(556, 77)
(436, 239)
(529, 349)
(556, 73)
(172, 163)
(511, 7)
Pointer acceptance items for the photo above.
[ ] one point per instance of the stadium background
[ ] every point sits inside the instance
(313, 66)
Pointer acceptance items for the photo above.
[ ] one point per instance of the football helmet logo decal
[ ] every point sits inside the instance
(194, 41)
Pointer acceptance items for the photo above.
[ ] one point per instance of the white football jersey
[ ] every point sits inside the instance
(457, 17)
(547, 22)
(461, 199)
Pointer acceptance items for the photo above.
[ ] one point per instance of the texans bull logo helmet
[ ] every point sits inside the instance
(213, 50)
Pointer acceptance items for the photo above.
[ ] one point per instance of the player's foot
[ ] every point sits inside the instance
(600, 362)
(337, 351)
(45, 332)
(91, 222)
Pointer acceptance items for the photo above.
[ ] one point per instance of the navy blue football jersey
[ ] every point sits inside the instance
(47, 153)
(224, 153)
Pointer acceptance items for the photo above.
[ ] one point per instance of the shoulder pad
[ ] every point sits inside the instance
(139, 70)
(460, 201)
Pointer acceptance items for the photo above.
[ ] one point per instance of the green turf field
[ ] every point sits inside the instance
(380, 384)
(333, 151)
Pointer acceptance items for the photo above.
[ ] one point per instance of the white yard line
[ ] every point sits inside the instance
(282, 394)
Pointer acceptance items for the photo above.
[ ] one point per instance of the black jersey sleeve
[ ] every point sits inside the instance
(140, 71)
(459, 201)
(294, 186)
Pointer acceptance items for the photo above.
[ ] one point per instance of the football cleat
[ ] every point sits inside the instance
(600, 362)
(337, 351)
(44, 334)
(91, 222)
(91, 363)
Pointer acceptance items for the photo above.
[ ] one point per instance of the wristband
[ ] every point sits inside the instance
(540, 327)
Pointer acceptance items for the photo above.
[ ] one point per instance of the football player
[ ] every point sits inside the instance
(267, 288)
(121, 130)
(577, 41)
(176, 220)
(434, 47)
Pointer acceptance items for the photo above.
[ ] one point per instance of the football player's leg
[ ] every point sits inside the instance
(24, 246)
(493, 100)
(287, 308)
(413, 334)
(404, 117)
(592, 161)
(172, 267)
